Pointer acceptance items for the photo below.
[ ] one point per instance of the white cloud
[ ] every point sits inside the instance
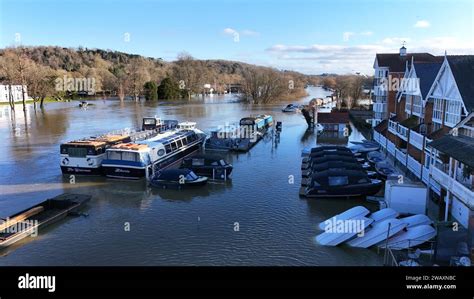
(422, 24)
(230, 31)
(341, 59)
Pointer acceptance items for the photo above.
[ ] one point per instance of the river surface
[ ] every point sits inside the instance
(255, 219)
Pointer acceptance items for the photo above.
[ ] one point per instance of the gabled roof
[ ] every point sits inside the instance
(397, 63)
(462, 68)
(426, 72)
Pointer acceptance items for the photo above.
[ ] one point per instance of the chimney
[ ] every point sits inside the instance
(403, 51)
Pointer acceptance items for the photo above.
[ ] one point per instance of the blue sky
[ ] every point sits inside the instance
(339, 36)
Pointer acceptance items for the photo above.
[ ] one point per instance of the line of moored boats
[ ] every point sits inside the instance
(158, 146)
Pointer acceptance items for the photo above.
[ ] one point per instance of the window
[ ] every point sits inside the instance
(129, 156)
(438, 110)
(408, 100)
(417, 105)
(453, 112)
(113, 155)
(174, 146)
(77, 152)
(167, 148)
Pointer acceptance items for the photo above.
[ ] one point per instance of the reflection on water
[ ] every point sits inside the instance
(169, 227)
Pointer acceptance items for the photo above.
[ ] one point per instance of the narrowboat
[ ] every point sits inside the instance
(177, 179)
(27, 222)
(210, 166)
(84, 157)
(341, 183)
(240, 138)
(140, 160)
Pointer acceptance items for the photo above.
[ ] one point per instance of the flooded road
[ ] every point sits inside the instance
(256, 219)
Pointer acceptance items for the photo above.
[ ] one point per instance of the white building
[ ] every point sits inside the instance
(16, 92)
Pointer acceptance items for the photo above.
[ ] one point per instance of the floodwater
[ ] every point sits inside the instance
(255, 219)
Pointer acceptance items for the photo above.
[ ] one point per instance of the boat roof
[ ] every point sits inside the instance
(98, 141)
(86, 142)
(168, 137)
(130, 147)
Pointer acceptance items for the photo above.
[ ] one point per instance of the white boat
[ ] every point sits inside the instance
(412, 237)
(417, 220)
(383, 214)
(378, 233)
(139, 160)
(334, 237)
(355, 212)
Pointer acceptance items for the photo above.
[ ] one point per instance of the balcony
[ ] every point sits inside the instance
(416, 139)
(397, 129)
(459, 190)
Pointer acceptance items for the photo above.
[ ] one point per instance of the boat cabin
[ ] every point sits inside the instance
(151, 123)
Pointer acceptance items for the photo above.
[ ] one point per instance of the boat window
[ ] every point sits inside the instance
(129, 156)
(161, 152)
(113, 155)
(168, 148)
(77, 151)
(184, 141)
(174, 146)
(149, 121)
(179, 142)
(338, 180)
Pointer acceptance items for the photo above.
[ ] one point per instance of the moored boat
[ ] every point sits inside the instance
(342, 184)
(378, 233)
(355, 212)
(212, 167)
(343, 232)
(410, 237)
(177, 179)
(84, 157)
(27, 222)
(140, 160)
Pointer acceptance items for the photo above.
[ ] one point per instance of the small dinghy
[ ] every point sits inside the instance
(411, 237)
(365, 146)
(378, 233)
(383, 214)
(177, 178)
(375, 157)
(386, 170)
(417, 220)
(343, 232)
(290, 108)
(355, 212)
(212, 167)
